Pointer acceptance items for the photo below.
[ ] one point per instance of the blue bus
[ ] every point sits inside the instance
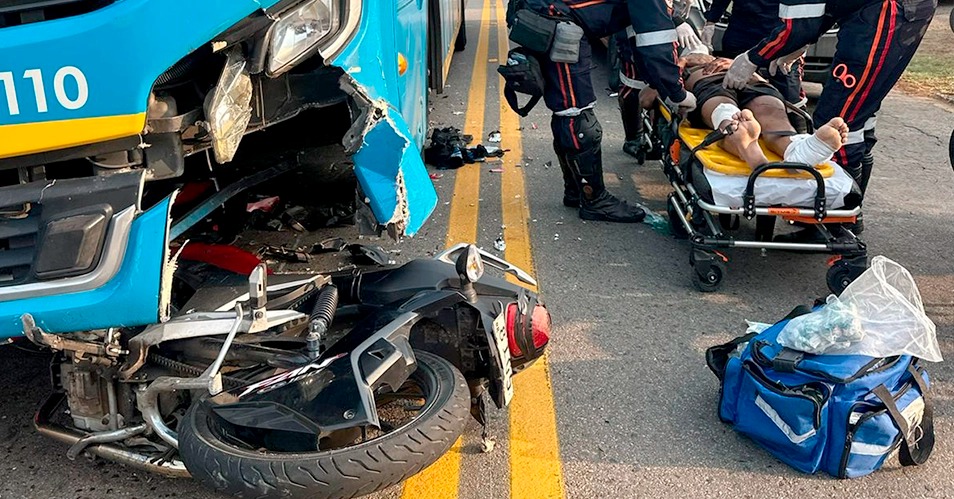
(93, 86)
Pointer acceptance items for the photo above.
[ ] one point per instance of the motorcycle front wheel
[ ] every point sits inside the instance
(436, 395)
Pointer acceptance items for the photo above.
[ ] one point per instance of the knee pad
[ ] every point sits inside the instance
(576, 133)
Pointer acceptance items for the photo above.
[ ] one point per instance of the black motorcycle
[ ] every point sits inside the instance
(318, 386)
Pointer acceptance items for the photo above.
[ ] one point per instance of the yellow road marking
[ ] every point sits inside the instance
(535, 468)
(441, 480)
(462, 226)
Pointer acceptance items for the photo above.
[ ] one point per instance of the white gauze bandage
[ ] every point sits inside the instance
(722, 112)
(808, 149)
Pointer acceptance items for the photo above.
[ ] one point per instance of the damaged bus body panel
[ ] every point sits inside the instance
(110, 108)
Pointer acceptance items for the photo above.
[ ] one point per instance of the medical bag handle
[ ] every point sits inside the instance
(748, 199)
(916, 443)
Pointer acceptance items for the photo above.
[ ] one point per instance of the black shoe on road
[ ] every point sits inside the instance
(631, 147)
(606, 208)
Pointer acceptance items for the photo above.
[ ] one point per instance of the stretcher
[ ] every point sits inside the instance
(713, 191)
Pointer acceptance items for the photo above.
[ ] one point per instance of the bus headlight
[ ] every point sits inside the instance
(228, 109)
(299, 30)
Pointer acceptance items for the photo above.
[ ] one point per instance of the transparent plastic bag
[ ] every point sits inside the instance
(880, 314)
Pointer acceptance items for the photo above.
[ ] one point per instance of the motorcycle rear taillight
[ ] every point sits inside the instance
(521, 333)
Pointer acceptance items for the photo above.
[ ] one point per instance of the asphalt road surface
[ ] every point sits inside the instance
(623, 405)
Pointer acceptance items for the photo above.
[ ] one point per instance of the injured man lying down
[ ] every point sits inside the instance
(747, 114)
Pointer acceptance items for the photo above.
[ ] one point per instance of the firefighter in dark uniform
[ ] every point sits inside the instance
(568, 93)
(631, 83)
(751, 21)
(876, 41)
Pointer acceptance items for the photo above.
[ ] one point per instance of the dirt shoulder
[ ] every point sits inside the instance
(931, 72)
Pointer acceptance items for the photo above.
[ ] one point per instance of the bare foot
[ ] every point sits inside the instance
(834, 133)
(744, 142)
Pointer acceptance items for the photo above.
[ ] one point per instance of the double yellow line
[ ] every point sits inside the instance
(535, 466)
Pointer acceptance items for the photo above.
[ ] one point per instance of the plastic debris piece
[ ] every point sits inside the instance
(487, 444)
(548, 164)
(533, 126)
(496, 170)
(500, 244)
(292, 217)
(284, 254)
(265, 204)
(494, 137)
(364, 254)
(436, 176)
(658, 222)
(458, 113)
(331, 245)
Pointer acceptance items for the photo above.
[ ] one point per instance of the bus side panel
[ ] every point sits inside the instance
(411, 43)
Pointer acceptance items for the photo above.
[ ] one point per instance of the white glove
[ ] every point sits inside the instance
(784, 63)
(686, 105)
(708, 31)
(740, 72)
(687, 37)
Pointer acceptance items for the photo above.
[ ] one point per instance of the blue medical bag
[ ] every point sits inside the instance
(842, 414)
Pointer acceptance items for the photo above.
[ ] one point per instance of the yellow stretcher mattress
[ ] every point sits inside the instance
(717, 159)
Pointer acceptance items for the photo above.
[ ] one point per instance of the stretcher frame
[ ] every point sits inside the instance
(708, 236)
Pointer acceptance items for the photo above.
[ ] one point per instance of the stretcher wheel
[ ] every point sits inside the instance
(675, 226)
(841, 274)
(709, 280)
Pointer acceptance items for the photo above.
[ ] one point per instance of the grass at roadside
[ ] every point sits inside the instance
(931, 72)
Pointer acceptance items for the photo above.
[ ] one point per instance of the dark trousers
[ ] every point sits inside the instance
(790, 85)
(568, 86)
(875, 45)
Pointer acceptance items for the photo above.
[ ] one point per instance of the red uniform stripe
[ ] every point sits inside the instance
(769, 50)
(871, 55)
(566, 99)
(877, 71)
(576, 142)
(587, 4)
(569, 83)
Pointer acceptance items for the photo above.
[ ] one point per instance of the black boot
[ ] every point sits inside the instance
(867, 164)
(595, 202)
(571, 193)
(632, 115)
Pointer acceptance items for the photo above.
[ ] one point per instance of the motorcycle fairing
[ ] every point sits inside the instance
(334, 393)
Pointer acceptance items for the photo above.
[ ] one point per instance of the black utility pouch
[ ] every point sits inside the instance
(522, 74)
(533, 31)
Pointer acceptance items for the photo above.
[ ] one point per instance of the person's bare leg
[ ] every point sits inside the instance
(744, 141)
(771, 113)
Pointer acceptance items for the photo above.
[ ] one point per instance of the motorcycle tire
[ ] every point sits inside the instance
(346, 472)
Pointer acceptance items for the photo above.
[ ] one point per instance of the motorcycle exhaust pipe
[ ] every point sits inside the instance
(171, 468)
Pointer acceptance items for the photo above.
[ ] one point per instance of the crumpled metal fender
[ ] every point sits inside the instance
(387, 158)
